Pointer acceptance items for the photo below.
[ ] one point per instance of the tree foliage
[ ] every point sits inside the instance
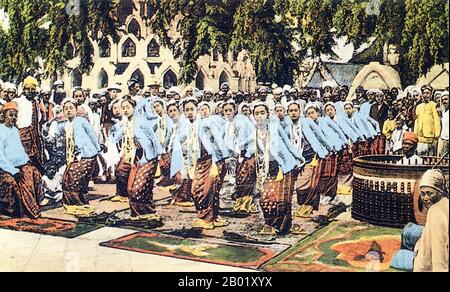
(425, 40)
(202, 25)
(277, 34)
(268, 40)
(48, 31)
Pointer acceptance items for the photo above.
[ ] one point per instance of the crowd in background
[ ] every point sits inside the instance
(272, 143)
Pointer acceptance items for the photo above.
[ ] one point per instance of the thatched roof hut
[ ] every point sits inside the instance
(375, 76)
(341, 74)
(437, 77)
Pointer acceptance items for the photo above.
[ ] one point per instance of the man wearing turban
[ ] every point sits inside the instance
(409, 147)
(20, 182)
(425, 248)
(443, 144)
(427, 123)
(28, 122)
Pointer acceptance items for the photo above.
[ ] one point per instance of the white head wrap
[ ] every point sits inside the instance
(259, 103)
(434, 178)
(278, 91)
(241, 106)
(68, 100)
(291, 102)
(349, 102)
(329, 83)
(114, 87)
(175, 89)
(9, 86)
(329, 103)
(287, 88)
(277, 105)
(208, 89)
(204, 103)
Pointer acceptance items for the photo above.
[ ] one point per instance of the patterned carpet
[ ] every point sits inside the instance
(341, 247)
(229, 254)
(49, 227)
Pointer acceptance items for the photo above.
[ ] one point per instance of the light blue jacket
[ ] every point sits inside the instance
(218, 120)
(355, 126)
(144, 134)
(348, 128)
(86, 141)
(372, 125)
(210, 138)
(285, 123)
(169, 131)
(333, 133)
(144, 108)
(365, 108)
(12, 153)
(314, 135)
(375, 125)
(339, 106)
(281, 148)
(363, 126)
(242, 135)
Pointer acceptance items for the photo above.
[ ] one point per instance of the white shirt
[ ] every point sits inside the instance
(445, 126)
(137, 98)
(96, 124)
(414, 160)
(25, 115)
(297, 136)
(269, 102)
(397, 139)
(212, 106)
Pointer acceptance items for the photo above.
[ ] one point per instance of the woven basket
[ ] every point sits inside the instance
(387, 194)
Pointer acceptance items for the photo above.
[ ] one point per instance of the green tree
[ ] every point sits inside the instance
(20, 42)
(315, 24)
(418, 28)
(228, 25)
(277, 34)
(44, 29)
(203, 26)
(262, 28)
(425, 40)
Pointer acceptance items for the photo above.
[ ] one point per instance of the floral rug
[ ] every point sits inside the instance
(49, 227)
(341, 247)
(229, 254)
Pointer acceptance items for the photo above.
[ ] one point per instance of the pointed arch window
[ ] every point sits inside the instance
(215, 55)
(76, 79)
(103, 79)
(134, 28)
(137, 75)
(104, 48)
(170, 79)
(153, 49)
(129, 49)
(200, 80)
(224, 78)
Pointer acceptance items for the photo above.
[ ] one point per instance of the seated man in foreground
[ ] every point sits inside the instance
(20, 182)
(425, 248)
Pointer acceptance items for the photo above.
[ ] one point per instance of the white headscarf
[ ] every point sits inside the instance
(434, 178)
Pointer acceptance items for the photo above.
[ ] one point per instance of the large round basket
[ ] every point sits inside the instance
(386, 193)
